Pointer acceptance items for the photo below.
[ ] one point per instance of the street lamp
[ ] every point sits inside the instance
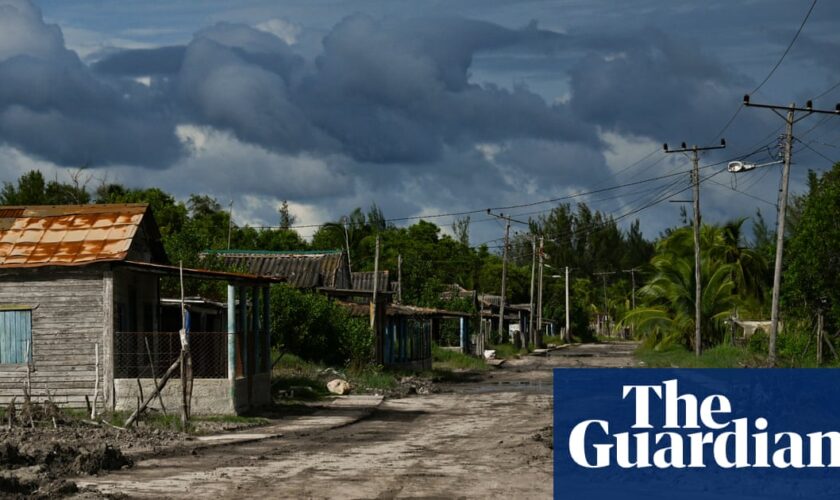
(736, 167)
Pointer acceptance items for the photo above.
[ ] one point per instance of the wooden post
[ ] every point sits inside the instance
(538, 338)
(108, 340)
(159, 387)
(266, 292)
(184, 361)
(819, 338)
(375, 286)
(399, 279)
(96, 382)
(532, 336)
(154, 375)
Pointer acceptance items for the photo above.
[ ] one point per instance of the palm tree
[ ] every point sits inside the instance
(728, 273)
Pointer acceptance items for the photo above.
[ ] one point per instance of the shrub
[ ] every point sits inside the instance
(316, 329)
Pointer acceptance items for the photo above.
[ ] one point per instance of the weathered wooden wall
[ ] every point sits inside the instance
(67, 322)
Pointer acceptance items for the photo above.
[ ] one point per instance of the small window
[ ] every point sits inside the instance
(15, 335)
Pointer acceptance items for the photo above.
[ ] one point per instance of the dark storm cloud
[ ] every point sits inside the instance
(53, 107)
(142, 62)
(381, 91)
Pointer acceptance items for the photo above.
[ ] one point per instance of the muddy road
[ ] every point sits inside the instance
(487, 439)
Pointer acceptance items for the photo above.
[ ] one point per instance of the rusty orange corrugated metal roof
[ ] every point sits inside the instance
(67, 235)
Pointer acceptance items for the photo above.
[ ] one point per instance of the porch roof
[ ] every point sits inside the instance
(207, 274)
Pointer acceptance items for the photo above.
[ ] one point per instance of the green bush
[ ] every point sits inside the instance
(317, 329)
(759, 342)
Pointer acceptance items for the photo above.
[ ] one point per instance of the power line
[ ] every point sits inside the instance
(790, 46)
(770, 74)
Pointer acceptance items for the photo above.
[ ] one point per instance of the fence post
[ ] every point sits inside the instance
(231, 338)
(266, 291)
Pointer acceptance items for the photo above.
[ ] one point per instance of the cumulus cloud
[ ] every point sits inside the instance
(389, 110)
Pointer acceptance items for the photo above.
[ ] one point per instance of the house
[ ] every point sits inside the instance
(80, 314)
(404, 340)
(363, 280)
(302, 269)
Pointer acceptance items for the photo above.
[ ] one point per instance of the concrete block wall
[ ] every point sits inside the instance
(209, 396)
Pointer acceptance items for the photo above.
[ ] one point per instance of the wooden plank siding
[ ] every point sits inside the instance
(67, 322)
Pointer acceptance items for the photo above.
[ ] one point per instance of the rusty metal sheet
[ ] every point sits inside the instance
(67, 235)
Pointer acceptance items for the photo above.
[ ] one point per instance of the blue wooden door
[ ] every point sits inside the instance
(15, 336)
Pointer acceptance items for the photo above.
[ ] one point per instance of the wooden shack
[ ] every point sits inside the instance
(82, 280)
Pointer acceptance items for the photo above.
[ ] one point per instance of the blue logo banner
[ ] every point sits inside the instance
(696, 434)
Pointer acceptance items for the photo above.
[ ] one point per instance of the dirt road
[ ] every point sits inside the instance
(480, 440)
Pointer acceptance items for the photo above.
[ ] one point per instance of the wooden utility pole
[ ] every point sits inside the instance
(603, 275)
(373, 304)
(531, 334)
(695, 184)
(538, 343)
(790, 119)
(230, 222)
(185, 359)
(504, 273)
(633, 288)
(399, 279)
(568, 335)
(819, 337)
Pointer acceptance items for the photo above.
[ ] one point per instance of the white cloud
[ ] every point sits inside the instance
(282, 29)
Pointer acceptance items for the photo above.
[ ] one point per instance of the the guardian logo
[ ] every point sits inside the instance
(695, 432)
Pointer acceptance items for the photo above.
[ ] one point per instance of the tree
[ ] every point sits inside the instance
(32, 189)
(813, 261)
(287, 219)
(461, 230)
(728, 273)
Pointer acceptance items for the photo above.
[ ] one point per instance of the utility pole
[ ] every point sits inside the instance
(568, 335)
(504, 274)
(538, 332)
(695, 181)
(531, 334)
(399, 279)
(606, 304)
(230, 221)
(790, 119)
(373, 304)
(633, 287)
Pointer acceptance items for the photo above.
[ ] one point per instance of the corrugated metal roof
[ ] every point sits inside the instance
(310, 269)
(404, 310)
(363, 280)
(67, 235)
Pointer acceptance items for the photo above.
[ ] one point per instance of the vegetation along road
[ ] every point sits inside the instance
(486, 438)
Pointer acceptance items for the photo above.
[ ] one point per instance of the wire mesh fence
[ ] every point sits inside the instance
(150, 354)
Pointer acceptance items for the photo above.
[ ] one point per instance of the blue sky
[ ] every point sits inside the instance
(421, 107)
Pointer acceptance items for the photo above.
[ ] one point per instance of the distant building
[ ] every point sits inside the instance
(302, 269)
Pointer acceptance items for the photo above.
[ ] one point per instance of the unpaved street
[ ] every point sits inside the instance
(488, 439)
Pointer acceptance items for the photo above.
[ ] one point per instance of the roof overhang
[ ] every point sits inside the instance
(204, 274)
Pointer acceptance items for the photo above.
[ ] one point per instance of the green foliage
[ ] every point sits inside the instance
(812, 277)
(759, 342)
(677, 356)
(454, 360)
(508, 351)
(33, 189)
(729, 274)
(316, 329)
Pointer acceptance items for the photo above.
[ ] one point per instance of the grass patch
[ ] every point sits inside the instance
(308, 380)
(372, 379)
(445, 359)
(507, 351)
(677, 356)
(554, 339)
(232, 419)
(303, 378)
